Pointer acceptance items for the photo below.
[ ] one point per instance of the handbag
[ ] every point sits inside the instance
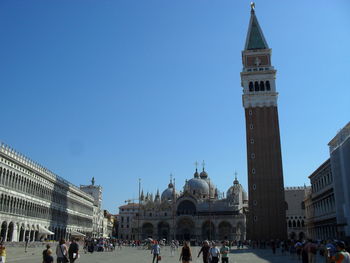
(159, 258)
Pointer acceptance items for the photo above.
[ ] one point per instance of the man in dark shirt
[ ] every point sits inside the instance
(45, 252)
(205, 250)
(73, 251)
(26, 239)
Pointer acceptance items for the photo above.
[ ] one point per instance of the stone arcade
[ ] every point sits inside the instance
(36, 203)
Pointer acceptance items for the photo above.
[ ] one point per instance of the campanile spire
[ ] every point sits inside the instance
(266, 218)
(255, 37)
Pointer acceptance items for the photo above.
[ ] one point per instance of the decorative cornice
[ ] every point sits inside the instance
(260, 100)
(35, 167)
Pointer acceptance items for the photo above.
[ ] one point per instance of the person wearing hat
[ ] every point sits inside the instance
(342, 256)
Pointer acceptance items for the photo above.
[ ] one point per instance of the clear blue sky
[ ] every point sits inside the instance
(125, 89)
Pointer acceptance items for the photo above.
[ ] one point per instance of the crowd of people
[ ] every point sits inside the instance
(305, 251)
(64, 253)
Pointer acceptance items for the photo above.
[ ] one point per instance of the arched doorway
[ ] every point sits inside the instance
(21, 233)
(3, 230)
(185, 229)
(163, 230)
(147, 230)
(225, 231)
(10, 232)
(208, 231)
(186, 207)
(27, 233)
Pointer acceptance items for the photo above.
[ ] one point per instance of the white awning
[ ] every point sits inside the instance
(77, 234)
(43, 230)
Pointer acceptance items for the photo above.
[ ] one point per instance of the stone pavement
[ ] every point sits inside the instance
(128, 254)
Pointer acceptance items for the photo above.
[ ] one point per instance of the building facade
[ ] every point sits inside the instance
(108, 224)
(339, 148)
(197, 213)
(296, 216)
(36, 203)
(267, 213)
(128, 221)
(321, 220)
(98, 215)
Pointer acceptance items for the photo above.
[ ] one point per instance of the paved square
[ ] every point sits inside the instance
(128, 254)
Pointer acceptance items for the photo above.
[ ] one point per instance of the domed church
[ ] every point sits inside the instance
(198, 212)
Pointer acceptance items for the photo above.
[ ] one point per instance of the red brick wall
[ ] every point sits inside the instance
(266, 188)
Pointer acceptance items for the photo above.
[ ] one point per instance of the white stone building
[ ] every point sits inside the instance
(320, 204)
(36, 203)
(339, 148)
(295, 212)
(98, 216)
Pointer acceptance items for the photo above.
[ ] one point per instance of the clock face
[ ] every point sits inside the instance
(257, 61)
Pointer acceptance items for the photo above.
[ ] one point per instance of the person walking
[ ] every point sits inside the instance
(2, 252)
(73, 251)
(62, 252)
(48, 256)
(155, 251)
(172, 248)
(298, 248)
(186, 254)
(205, 250)
(311, 249)
(224, 250)
(214, 253)
(26, 239)
(45, 252)
(342, 256)
(273, 246)
(304, 254)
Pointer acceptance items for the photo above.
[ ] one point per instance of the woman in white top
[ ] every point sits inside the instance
(214, 253)
(62, 252)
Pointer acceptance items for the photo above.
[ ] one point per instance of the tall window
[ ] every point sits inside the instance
(268, 85)
(256, 85)
(262, 86)
(251, 88)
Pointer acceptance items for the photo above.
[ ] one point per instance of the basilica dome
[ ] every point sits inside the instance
(197, 186)
(237, 192)
(168, 194)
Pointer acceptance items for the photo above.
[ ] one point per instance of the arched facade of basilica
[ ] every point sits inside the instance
(197, 213)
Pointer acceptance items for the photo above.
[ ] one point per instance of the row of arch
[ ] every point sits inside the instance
(259, 86)
(323, 232)
(296, 223)
(19, 232)
(18, 206)
(322, 206)
(21, 183)
(186, 230)
(15, 205)
(325, 180)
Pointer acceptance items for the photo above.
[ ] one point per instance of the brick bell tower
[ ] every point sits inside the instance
(267, 214)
